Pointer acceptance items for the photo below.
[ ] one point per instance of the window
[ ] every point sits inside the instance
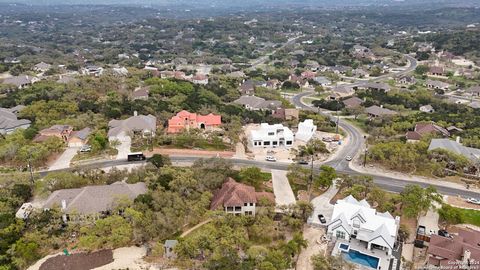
(275, 143)
(238, 208)
(340, 234)
(251, 204)
(229, 209)
(289, 142)
(266, 143)
(248, 213)
(271, 133)
(245, 204)
(356, 224)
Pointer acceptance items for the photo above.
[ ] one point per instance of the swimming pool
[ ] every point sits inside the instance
(344, 247)
(360, 258)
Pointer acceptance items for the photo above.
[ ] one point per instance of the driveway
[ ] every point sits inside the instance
(282, 189)
(63, 161)
(321, 205)
(123, 149)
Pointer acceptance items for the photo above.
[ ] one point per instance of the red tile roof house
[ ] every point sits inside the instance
(458, 252)
(185, 120)
(237, 198)
(423, 129)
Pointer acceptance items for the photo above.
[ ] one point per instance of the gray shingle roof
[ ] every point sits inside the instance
(134, 123)
(378, 111)
(455, 147)
(9, 121)
(94, 199)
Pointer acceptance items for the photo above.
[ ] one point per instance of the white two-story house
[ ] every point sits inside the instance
(354, 220)
(272, 136)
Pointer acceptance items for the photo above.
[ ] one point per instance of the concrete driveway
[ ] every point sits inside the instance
(63, 161)
(321, 205)
(123, 149)
(282, 189)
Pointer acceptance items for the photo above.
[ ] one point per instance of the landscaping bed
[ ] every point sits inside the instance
(79, 261)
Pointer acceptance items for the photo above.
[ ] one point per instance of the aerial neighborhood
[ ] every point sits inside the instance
(253, 135)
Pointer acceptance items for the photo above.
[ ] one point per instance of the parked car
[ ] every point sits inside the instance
(270, 158)
(348, 158)
(322, 219)
(85, 148)
(303, 162)
(443, 233)
(473, 200)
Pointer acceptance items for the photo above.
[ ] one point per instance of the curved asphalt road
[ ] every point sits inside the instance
(354, 146)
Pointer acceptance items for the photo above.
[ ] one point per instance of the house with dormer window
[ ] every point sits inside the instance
(354, 220)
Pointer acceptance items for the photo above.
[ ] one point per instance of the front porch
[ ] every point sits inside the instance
(362, 247)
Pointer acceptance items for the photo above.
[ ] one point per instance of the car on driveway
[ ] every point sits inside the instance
(85, 148)
(348, 158)
(473, 200)
(322, 219)
(270, 158)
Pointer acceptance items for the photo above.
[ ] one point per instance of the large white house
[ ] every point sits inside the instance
(354, 220)
(306, 130)
(272, 136)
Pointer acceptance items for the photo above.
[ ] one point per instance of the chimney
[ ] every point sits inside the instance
(458, 139)
(466, 258)
(135, 113)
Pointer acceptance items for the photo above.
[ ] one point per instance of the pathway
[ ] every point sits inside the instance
(187, 232)
(282, 189)
(314, 232)
(63, 161)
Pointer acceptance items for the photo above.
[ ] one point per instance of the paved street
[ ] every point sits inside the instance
(281, 188)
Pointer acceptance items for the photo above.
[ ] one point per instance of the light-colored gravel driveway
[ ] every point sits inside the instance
(321, 205)
(282, 189)
(63, 161)
(123, 149)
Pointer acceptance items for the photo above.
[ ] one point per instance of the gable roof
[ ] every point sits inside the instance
(19, 80)
(379, 111)
(374, 224)
(9, 120)
(81, 134)
(452, 249)
(353, 102)
(455, 147)
(94, 199)
(258, 102)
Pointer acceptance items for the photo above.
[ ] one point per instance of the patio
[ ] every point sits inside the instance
(384, 262)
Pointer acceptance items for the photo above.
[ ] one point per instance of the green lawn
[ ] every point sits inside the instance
(358, 123)
(470, 216)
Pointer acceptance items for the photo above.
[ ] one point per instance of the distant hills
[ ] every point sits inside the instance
(248, 3)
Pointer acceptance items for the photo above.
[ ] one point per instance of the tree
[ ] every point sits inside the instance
(160, 160)
(326, 176)
(450, 214)
(251, 176)
(320, 262)
(421, 69)
(417, 200)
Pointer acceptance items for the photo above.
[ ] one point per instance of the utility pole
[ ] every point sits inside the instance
(366, 151)
(30, 168)
(336, 128)
(311, 179)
